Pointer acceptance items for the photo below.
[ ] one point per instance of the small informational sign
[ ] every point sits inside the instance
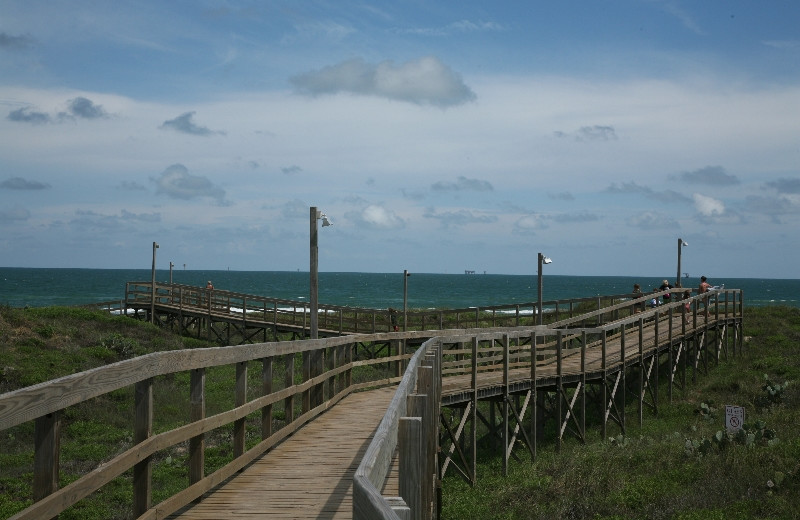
(734, 418)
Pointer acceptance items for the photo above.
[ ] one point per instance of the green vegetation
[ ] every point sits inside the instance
(41, 344)
(680, 465)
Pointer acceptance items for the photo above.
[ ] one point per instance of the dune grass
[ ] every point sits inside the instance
(678, 465)
(671, 467)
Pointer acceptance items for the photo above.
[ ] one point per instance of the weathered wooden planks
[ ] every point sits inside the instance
(307, 476)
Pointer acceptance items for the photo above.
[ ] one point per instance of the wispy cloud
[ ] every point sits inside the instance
(463, 184)
(27, 115)
(426, 81)
(185, 124)
(687, 20)
(782, 44)
(291, 170)
(18, 183)
(77, 108)
(665, 196)
(459, 27)
(176, 182)
(652, 220)
(14, 214)
(710, 175)
(564, 195)
(9, 42)
(785, 185)
(590, 133)
(459, 218)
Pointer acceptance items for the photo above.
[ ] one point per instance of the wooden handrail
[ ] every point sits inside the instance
(44, 403)
(411, 432)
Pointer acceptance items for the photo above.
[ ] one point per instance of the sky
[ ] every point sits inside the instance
(437, 137)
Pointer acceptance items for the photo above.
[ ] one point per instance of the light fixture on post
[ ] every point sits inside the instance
(406, 274)
(542, 260)
(171, 265)
(153, 285)
(681, 243)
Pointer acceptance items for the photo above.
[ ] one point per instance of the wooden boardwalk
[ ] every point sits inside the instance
(346, 438)
(309, 475)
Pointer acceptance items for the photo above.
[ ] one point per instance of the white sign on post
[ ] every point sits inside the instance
(734, 418)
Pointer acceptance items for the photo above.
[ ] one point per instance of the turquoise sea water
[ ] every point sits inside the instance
(21, 287)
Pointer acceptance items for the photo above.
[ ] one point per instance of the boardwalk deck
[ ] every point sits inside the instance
(307, 476)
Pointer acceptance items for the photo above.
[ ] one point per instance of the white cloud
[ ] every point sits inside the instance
(379, 217)
(426, 81)
(708, 206)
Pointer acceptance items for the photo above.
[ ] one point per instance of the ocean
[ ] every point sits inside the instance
(38, 287)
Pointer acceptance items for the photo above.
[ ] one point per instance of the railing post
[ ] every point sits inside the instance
(197, 412)
(506, 362)
(288, 403)
(143, 429)
(240, 398)
(425, 386)
(47, 435)
(409, 439)
(266, 389)
(559, 390)
(474, 409)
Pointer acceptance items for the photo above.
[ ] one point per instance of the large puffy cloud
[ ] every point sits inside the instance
(426, 81)
(176, 182)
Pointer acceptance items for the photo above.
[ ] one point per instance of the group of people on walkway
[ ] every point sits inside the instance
(667, 297)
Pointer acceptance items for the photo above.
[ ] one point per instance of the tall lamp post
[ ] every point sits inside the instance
(171, 265)
(153, 285)
(406, 274)
(681, 243)
(542, 260)
(314, 256)
(313, 360)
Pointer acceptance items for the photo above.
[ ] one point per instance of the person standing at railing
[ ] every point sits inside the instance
(209, 290)
(687, 307)
(703, 288)
(393, 318)
(637, 293)
(665, 285)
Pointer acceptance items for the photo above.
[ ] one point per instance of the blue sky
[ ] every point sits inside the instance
(438, 136)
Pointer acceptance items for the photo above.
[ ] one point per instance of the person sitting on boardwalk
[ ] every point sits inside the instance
(703, 288)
